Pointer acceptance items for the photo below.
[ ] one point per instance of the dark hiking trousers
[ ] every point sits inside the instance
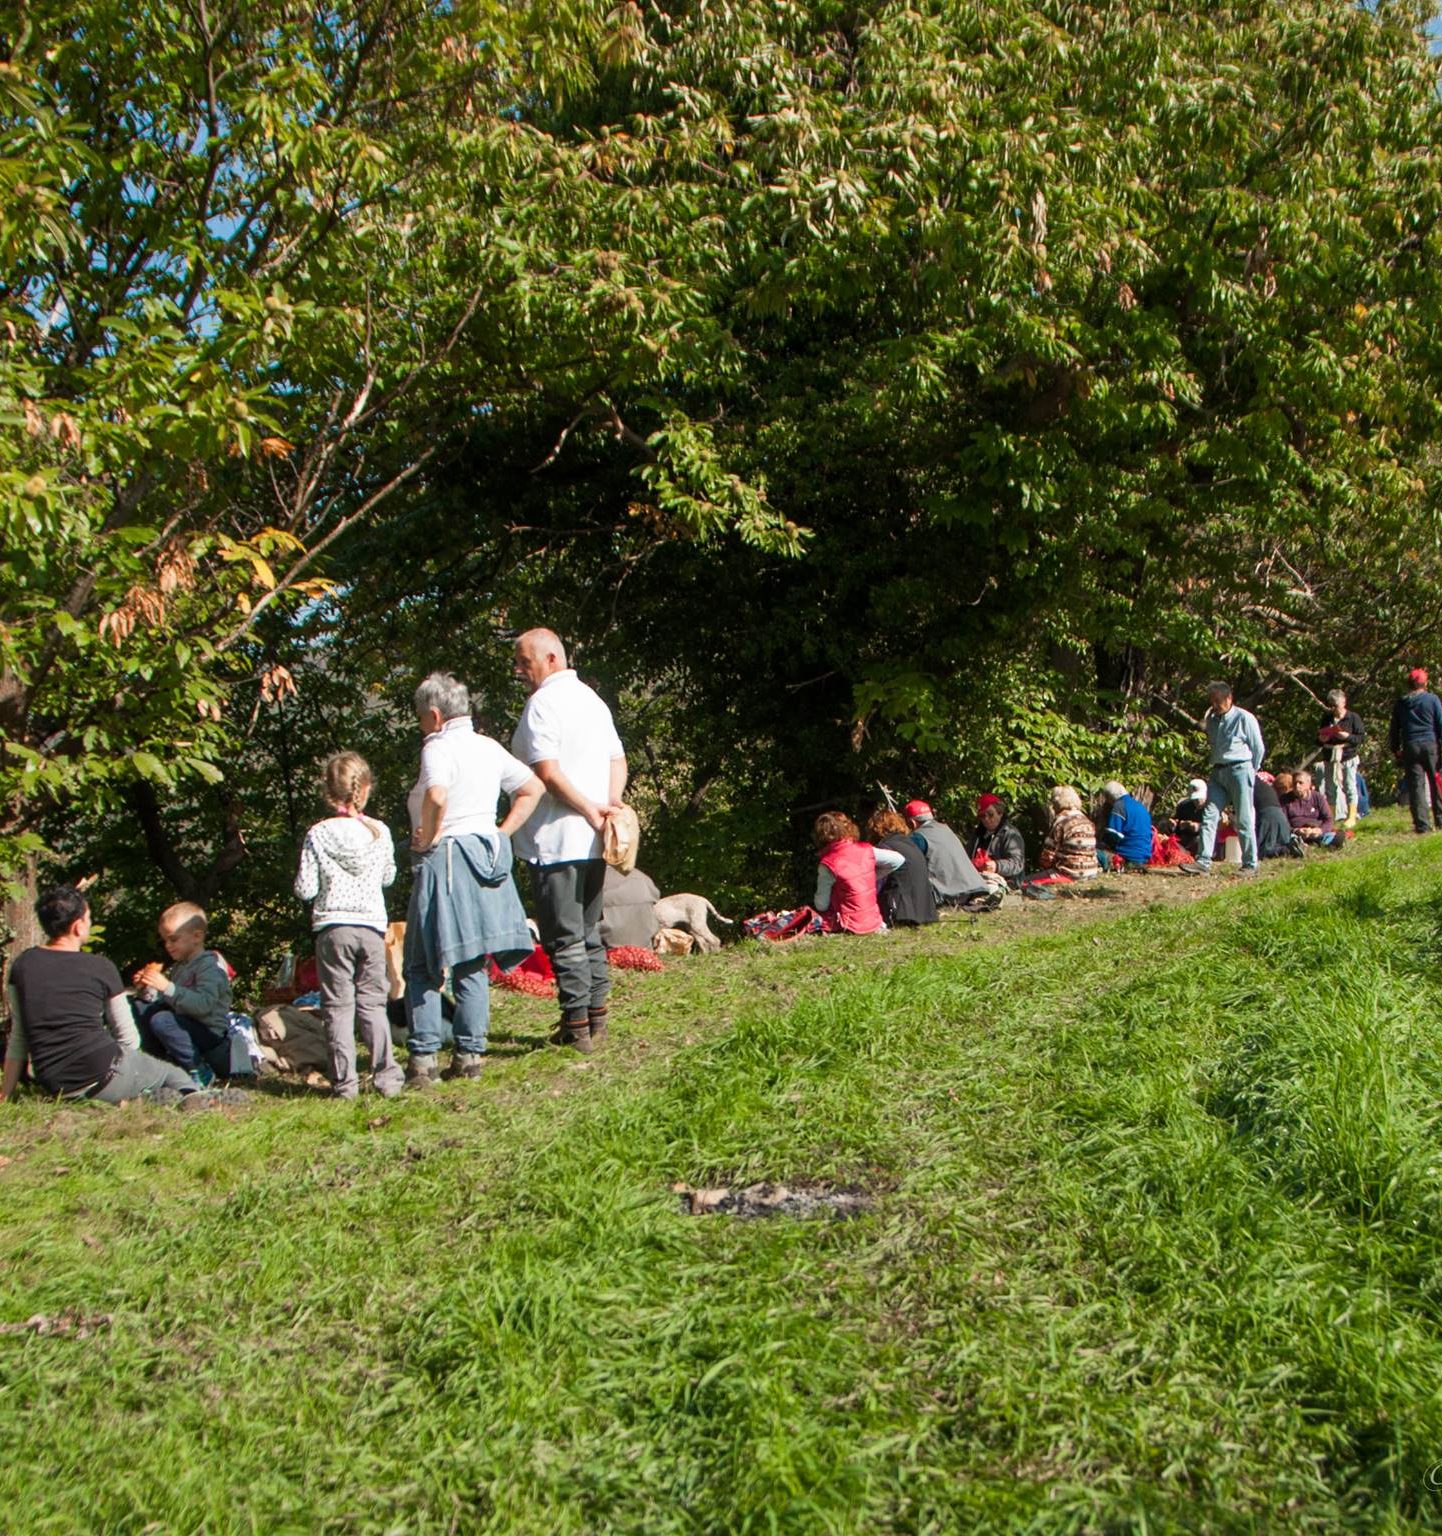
(1419, 763)
(568, 913)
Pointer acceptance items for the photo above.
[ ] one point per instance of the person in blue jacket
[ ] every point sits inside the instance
(1128, 831)
(1414, 735)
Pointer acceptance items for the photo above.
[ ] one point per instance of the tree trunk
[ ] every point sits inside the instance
(22, 931)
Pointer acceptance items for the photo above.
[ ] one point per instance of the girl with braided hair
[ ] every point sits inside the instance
(346, 862)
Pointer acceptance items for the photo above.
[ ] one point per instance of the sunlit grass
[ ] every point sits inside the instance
(1155, 1245)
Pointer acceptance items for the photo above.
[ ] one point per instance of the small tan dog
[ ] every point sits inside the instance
(690, 912)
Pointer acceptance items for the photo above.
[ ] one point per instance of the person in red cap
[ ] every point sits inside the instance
(1414, 736)
(954, 880)
(996, 847)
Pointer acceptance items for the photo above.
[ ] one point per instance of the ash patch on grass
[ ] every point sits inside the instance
(758, 1200)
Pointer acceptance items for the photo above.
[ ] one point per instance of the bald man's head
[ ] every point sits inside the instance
(539, 655)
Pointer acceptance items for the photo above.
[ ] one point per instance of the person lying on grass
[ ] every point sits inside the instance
(69, 1015)
(847, 875)
(1309, 814)
(184, 1016)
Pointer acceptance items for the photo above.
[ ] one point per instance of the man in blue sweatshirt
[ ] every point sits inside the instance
(1237, 751)
(1129, 826)
(1413, 737)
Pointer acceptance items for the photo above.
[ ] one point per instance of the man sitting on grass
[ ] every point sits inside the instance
(1309, 814)
(70, 1016)
(954, 878)
(1129, 826)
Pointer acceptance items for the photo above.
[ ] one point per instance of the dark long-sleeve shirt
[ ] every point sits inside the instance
(1351, 722)
(1416, 716)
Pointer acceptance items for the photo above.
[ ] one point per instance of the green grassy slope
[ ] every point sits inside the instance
(1155, 1245)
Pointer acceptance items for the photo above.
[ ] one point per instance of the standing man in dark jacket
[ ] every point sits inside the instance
(1413, 737)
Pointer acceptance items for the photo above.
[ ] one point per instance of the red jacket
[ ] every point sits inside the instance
(853, 895)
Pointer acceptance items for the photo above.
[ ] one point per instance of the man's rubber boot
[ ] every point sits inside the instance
(464, 1064)
(422, 1072)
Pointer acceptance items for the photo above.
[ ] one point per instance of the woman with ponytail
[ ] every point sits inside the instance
(346, 862)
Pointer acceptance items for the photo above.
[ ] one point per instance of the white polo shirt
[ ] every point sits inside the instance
(566, 722)
(473, 770)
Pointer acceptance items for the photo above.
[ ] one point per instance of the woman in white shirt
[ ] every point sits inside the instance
(452, 808)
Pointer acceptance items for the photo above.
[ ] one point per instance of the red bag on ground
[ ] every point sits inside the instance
(1167, 851)
(631, 957)
(533, 975)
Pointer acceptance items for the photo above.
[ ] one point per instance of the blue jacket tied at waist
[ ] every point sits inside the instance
(464, 904)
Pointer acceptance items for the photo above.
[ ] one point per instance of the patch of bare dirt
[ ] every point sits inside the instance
(771, 1200)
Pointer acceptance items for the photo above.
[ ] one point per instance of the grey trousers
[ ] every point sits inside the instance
(351, 963)
(568, 913)
(138, 1076)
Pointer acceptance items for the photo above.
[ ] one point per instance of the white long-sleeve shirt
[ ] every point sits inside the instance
(346, 862)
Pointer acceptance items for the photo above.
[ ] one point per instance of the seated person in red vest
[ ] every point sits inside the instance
(848, 874)
(70, 1016)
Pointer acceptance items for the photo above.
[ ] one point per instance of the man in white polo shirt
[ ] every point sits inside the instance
(568, 740)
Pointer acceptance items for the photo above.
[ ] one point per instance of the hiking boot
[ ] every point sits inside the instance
(390, 1089)
(464, 1064)
(600, 1031)
(576, 1034)
(422, 1072)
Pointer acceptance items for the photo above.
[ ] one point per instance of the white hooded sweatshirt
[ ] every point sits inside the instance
(345, 864)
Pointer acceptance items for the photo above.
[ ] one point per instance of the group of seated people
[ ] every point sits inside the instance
(909, 865)
(1292, 815)
(86, 1035)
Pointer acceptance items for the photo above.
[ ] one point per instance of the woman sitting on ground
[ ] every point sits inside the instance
(996, 847)
(847, 875)
(1071, 845)
(906, 897)
(1275, 837)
